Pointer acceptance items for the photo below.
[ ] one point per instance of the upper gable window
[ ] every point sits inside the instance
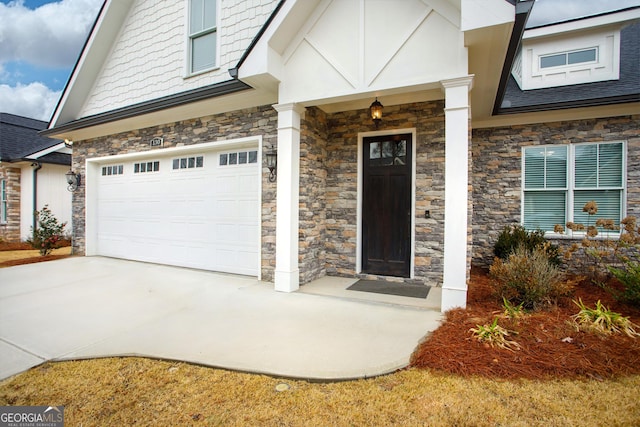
(564, 59)
(203, 34)
(569, 58)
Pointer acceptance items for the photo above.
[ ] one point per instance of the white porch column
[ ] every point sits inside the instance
(457, 113)
(288, 187)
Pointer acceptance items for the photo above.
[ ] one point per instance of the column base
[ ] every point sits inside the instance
(453, 298)
(287, 281)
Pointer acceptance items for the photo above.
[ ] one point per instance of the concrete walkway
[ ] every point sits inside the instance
(85, 307)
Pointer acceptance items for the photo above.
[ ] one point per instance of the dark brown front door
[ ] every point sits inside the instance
(386, 205)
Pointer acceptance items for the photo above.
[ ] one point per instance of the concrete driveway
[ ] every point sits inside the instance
(85, 307)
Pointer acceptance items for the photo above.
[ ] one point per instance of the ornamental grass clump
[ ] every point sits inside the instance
(513, 312)
(528, 278)
(602, 321)
(494, 335)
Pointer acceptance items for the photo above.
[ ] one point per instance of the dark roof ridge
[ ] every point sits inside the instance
(581, 18)
(22, 121)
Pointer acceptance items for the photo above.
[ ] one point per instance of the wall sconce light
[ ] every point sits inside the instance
(376, 112)
(271, 158)
(73, 180)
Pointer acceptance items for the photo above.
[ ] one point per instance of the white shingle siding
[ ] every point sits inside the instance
(149, 58)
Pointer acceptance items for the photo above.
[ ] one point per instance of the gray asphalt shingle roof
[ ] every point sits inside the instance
(626, 89)
(19, 138)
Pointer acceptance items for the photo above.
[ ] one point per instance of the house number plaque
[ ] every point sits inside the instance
(156, 142)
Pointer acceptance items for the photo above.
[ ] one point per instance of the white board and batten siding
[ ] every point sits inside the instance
(197, 207)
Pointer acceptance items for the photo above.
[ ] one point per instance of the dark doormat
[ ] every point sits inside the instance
(390, 288)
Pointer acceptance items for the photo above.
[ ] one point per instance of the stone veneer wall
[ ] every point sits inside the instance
(497, 164)
(342, 184)
(10, 231)
(313, 177)
(328, 180)
(237, 124)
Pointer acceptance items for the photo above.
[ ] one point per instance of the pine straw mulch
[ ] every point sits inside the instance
(28, 258)
(550, 345)
(33, 260)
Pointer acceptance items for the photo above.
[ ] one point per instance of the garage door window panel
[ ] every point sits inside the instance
(112, 170)
(238, 158)
(188, 163)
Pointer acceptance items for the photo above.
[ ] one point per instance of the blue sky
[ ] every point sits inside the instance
(40, 41)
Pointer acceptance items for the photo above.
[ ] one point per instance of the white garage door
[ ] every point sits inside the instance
(198, 210)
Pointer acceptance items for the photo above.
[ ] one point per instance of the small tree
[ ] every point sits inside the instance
(48, 233)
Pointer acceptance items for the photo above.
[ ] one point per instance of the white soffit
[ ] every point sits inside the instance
(485, 13)
(232, 102)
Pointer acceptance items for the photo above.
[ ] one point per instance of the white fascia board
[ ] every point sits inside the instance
(485, 13)
(264, 64)
(549, 116)
(582, 24)
(91, 60)
(61, 147)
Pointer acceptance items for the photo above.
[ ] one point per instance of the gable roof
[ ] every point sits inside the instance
(70, 121)
(624, 90)
(20, 140)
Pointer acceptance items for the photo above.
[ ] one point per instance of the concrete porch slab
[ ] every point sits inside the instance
(337, 287)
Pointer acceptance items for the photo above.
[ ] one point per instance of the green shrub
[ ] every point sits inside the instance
(48, 233)
(515, 236)
(528, 278)
(629, 276)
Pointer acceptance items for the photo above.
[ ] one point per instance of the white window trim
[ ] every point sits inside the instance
(530, 74)
(570, 188)
(187, 25)
(566, 53)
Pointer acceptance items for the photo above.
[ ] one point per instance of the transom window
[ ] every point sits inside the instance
(188, 162)
(203, 34)
(569, 58)
(112, 170)
(3, 201)
(144, 167)
(239, 158)
(560, 179)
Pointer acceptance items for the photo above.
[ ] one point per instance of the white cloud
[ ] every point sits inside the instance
(33, 100)
(49, 36)
(548, 11)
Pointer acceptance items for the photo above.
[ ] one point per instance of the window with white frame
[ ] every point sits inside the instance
(203, 35)
(569, 58)
(3, 201)
(560, 179)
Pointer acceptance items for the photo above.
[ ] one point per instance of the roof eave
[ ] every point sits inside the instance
(593, 102)
(147, 107)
